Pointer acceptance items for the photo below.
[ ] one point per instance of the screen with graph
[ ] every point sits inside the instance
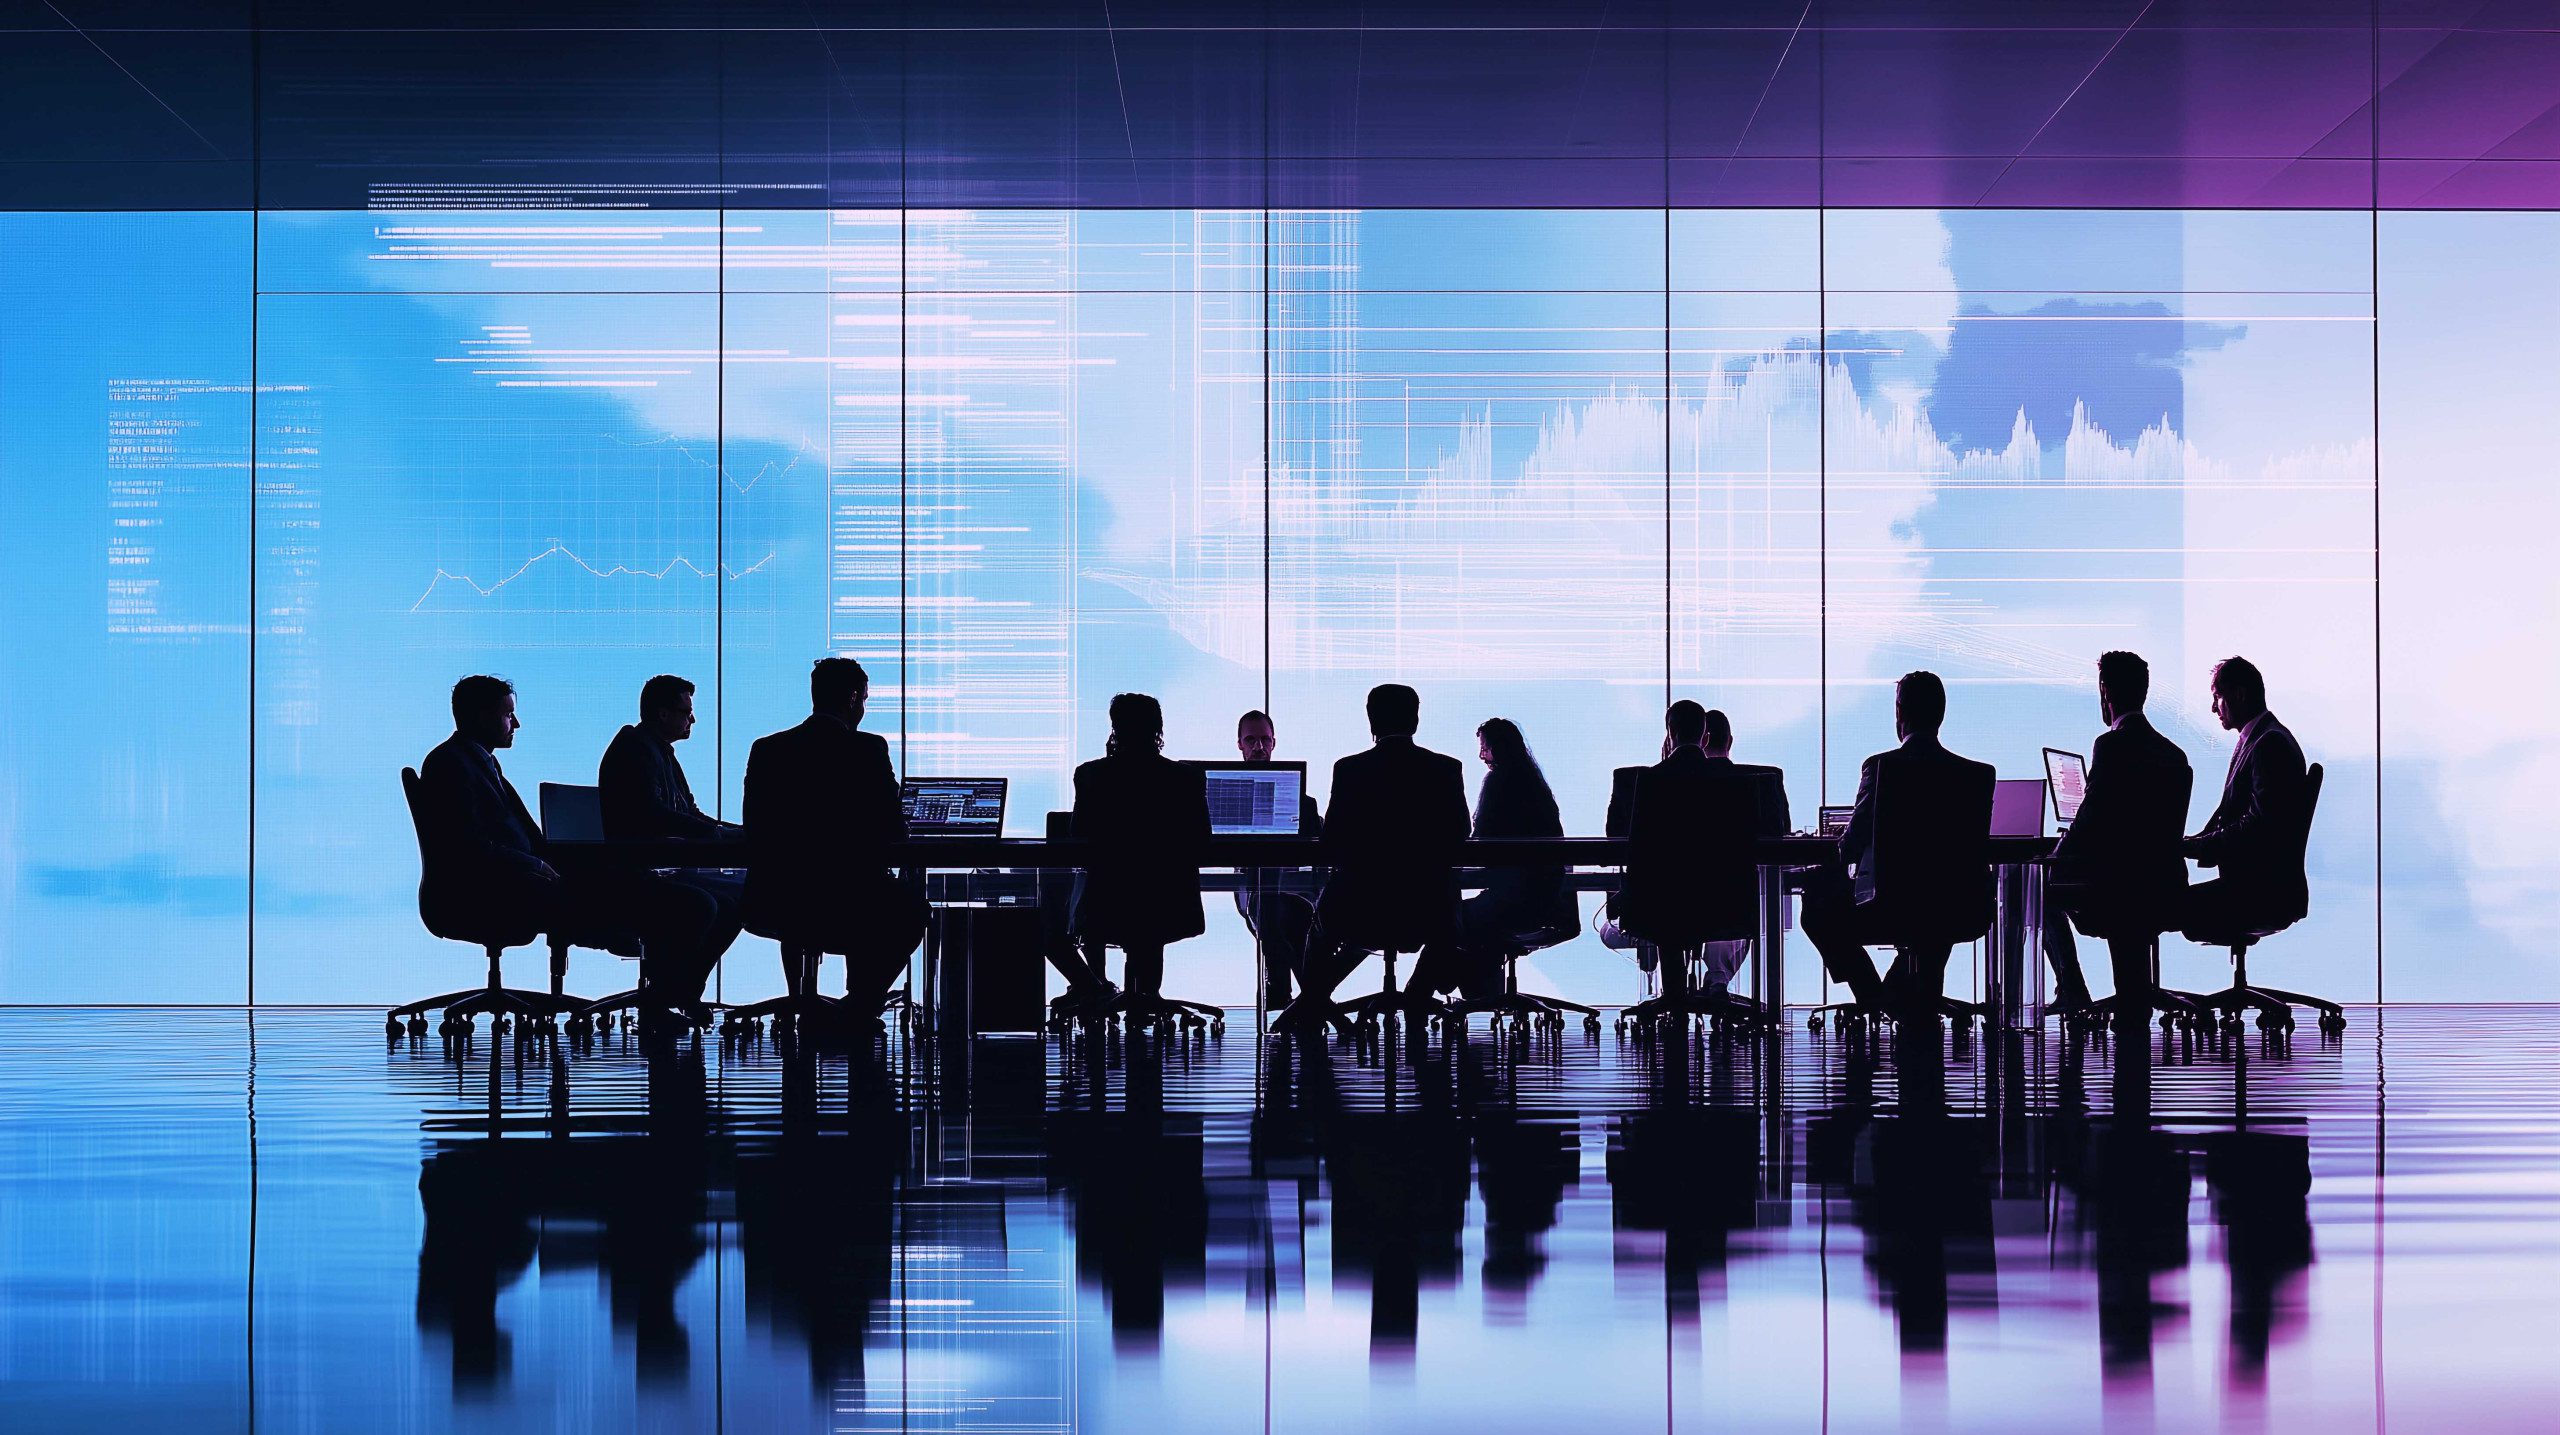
(274, 484)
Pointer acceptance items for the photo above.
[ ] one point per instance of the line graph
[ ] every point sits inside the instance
(559, 550)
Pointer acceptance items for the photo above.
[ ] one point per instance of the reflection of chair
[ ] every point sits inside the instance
(2240, 933)
(1526, 1006)
(458, 922)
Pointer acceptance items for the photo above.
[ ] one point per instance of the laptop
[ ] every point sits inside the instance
(1254, 799)
(1835, 820)
(953, 806)
(2017, 807)
(2067, 773)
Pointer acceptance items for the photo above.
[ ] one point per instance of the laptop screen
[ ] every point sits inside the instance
(2017, 807)
(1254, 799)
(2068, 774)
(1835, 820)
(953, 806)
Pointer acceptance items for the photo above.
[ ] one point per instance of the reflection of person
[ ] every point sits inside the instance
(1516, 902)
(1143, 821)
(1395, 824)
(2116, 871)
(1282, 921)
(642, 790)
(822, 817)
(2250, 835)
(495, 866)
(1833, 919)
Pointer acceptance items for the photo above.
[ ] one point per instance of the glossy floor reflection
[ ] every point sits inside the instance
(286, 1225)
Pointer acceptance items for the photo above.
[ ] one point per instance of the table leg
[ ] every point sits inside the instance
(1769, 984)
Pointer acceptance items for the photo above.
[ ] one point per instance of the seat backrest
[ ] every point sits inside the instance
(409, 786)
(572, 813)
(1693, 872)
(1929, 869)
(2299, 839)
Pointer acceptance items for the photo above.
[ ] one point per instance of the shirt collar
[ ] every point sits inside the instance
(2250, 729)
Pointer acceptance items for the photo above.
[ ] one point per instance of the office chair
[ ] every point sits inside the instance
(495, 996)
(1681, 895)
(1390, 934)
(2274, 1006)
(1927, 874)
(572, 813)
(1526, 1009)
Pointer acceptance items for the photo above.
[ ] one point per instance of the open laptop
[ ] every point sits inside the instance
(2017, 807)
(953, 806)
(1254, 799)
(2067, 773)
(1835, 819)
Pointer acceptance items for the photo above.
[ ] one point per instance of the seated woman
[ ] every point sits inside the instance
(1143, 820)
(1518, 905)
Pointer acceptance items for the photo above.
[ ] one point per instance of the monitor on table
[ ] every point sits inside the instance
(2017, 807)
(1255, 799)
(2067, 773)
(953, 806)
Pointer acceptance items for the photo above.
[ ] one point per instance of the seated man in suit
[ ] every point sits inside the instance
(1395, 825)
(822, 817)
(1695, 808)
(2250, 836)
(1283, 921)
(2116, 870)
(1840, 918)
(501, 864)
(1143, 820)
(642, 789)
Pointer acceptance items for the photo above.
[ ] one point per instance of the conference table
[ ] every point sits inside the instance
(986, 870)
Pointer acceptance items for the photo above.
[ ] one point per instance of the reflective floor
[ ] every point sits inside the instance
(213, 1223)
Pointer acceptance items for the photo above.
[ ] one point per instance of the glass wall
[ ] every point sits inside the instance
(1555, 466)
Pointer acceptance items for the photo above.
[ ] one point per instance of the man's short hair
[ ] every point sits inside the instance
(1394, 710)
(1686, 722)
(1136, 715)
(663, 692)
(833, 682)
(2237, 677)
(1254, 715)
(1922, 700)
(478, 696)
(1719, 728)
(2126, 677)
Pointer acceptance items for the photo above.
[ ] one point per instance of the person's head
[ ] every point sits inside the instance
(666, 707)
(1394, 710)
(2239, 692)
(1137, 721)
(1719, 734)
(2124, 684)
(1256, 738)
(1499, 744)
(838, 688)
(1684, 724)
(484, 710)
(1919, 704)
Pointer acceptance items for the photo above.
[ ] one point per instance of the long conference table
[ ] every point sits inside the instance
(983, 870)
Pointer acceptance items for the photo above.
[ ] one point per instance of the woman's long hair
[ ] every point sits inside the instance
(1514, 780)
(1137, 718)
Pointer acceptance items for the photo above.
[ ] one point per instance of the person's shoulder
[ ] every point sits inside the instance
(442, 756)
(626, 740)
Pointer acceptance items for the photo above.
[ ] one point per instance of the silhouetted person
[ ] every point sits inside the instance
(2247, 840)
(1394, 827)
(642, 789)
(822, 818)
(2116, 870)
(1839, 917)
(1516, 904)
(1283, 921)
(1698, 799)
(1143, 820)
(496, 862)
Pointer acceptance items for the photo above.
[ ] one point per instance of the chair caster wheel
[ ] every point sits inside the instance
(394, 1027)
(1813, 1023)
(2333, 1022)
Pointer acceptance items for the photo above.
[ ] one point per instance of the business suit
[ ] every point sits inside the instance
(1841, 917)
(1514, 903)
(2116, 871)
(493, 867)
(1283, 921)
(1143, 820)
(642, 792)
(1392, 832)
(2251, 835)
(822, 814)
